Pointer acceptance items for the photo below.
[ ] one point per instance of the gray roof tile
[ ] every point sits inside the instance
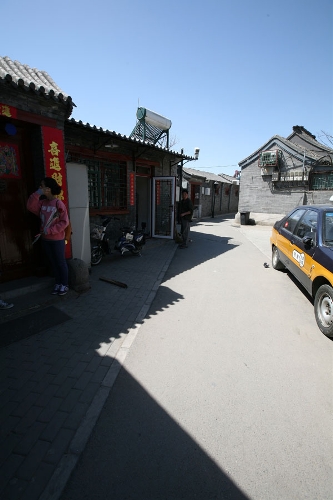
(292, 146)
(30, 78)
(116, 135)
(206, 175)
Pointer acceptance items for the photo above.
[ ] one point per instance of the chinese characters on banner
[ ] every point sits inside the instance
(8, 111)
(158, 192)
(54, 155)
(132, 197)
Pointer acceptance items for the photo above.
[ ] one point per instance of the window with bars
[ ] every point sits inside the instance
(321, 181)
(107, 184)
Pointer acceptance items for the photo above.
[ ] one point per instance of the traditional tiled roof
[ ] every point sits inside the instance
(229, 178)
(299, 129)
(292, 148)
(206, 176)
(306, 136)
(115, 135)
(21, 75)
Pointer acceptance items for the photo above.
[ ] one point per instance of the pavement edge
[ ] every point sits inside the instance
(62, 474)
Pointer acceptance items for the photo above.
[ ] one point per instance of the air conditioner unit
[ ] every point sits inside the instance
(270, 158)
(267, 170)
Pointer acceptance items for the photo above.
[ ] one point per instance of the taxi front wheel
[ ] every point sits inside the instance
(323, 307)
(276, 263)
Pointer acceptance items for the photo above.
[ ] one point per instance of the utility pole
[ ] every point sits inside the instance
(180, 183)
(215, 184)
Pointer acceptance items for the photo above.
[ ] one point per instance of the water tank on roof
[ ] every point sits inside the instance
(153, 119)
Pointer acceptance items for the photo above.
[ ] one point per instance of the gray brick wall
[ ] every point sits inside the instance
(226, 200)
(258, 193)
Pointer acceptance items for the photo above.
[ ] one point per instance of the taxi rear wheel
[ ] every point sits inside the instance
(276, 263)
(323, 307)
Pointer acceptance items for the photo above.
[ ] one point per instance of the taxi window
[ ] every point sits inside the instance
(308, 224)
(291, 223)
(328, 228)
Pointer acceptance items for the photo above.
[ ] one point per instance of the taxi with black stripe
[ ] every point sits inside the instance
(302, 243)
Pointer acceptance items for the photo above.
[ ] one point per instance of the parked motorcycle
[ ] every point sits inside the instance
(129, 241)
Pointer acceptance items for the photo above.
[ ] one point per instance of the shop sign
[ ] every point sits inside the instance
(7, 111)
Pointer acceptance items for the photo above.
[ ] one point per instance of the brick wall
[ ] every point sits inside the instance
(259, 194)
(226, 200)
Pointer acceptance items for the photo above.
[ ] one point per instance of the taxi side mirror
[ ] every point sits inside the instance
(309, 240)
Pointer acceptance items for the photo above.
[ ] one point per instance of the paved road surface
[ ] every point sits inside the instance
(226, 391)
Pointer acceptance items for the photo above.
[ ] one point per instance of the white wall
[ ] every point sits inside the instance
(77, 180)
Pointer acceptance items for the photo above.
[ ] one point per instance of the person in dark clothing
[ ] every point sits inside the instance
(186, 212)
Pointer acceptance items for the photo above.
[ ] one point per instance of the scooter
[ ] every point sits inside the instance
(129, 241)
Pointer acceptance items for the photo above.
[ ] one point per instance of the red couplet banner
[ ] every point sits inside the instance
(158, 192)
(55, 166)
(132, 180)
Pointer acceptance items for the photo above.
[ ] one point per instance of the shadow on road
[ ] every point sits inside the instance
(51, 378)
(138, 451)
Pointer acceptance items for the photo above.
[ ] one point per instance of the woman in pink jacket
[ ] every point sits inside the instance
(54, 220)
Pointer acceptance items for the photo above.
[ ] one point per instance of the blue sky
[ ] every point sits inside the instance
(229, 75)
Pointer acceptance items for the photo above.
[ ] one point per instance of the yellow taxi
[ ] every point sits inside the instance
(302, 242)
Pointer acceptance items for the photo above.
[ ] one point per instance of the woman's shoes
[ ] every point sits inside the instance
(63, 290)
(5, 305)
(56, 289)
(59, 290)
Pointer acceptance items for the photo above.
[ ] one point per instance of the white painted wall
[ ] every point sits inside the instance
(77, 180)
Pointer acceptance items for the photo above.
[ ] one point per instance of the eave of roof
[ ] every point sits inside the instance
(229, 178)
(31, 79)
(289, 147)
(122, 137)
(310, 139)
(204, 175)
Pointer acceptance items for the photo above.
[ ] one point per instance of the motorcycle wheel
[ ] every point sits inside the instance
(96, 256)
(136, 251)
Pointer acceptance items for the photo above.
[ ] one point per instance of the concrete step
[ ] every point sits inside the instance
(28, 295)
(16, 288)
